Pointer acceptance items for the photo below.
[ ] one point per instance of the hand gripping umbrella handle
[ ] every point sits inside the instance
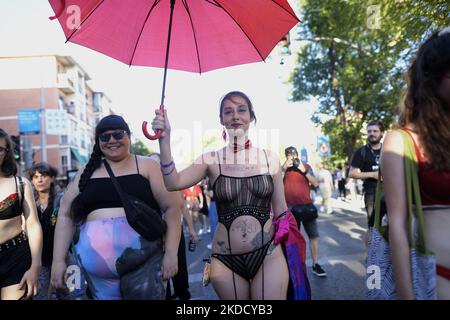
(147, 134)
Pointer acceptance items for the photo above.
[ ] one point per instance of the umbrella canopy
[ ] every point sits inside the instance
(205, 34)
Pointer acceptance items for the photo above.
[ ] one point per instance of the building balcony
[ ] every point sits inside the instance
(65, 84)
(70, 108)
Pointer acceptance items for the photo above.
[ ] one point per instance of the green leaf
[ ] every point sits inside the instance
(357, 73)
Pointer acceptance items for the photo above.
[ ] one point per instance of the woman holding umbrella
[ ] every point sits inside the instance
(246, 263)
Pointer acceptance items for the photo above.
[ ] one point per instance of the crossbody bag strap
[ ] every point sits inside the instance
(383, 230)
(413, 193)
(90, 284)
(116, 184)
(377, 223)
(22, 191)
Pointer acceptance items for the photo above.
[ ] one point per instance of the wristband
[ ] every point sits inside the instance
(168, 173)
(165, 165)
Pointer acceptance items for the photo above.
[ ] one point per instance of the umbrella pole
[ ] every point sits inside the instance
(166, 63)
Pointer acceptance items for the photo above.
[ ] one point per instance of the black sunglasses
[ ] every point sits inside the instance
(3, 149)
(117, 135)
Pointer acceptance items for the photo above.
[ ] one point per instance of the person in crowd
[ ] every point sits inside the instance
(341, 179)
(180, 282)
(213, 219)
(247, 183)
(48, 199)
(42, 177)
(193, 198)
(351, 187)
(106, 240)
(20, 251)
(204, 206)
(425, 116)
(297, 179)
(365, 165)
(187, 218)
(326, 187)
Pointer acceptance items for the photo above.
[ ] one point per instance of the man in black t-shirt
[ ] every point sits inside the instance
(365, 165)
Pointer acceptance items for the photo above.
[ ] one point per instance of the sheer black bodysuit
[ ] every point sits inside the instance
(240, 196)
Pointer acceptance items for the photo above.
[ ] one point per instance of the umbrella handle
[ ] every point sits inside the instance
(147, 134)
(60, 12)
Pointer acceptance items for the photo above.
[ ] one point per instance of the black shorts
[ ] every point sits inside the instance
(14, 262)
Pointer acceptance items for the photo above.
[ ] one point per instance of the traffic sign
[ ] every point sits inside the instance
(323, 146)
(29, 121)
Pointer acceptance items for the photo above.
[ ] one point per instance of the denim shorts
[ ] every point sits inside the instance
(311, 228)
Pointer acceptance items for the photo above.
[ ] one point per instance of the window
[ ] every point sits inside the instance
(73, 133)
(80, 84)
(64, 164)
(71, 108)
(83, 141)
(64, 139)
(61, 103)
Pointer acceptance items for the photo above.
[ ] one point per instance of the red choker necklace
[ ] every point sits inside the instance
(237, 147)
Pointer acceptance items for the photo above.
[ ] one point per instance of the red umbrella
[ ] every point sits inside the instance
(189, 35)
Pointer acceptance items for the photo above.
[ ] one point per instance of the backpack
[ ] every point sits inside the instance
(363, 151)
(56, 204)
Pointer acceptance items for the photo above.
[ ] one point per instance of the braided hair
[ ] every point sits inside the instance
(94, 162)
(78, 213)
(111, 122)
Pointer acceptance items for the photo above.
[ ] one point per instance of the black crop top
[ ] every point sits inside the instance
(100, 193)
(11, 207)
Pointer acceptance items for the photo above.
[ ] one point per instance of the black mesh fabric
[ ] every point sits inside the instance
(238, 196)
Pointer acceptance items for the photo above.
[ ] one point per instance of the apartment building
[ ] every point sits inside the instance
(52, 82)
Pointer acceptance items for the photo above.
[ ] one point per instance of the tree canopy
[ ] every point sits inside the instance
(139, 148)
(354, 58)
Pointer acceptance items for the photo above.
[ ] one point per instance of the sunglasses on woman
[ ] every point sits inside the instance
(117, 135)
(3, 149)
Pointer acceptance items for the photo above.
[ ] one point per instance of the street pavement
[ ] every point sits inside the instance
(341, 253)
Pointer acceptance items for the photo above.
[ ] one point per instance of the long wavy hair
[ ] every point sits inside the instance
(46, 170)
(422, 106)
